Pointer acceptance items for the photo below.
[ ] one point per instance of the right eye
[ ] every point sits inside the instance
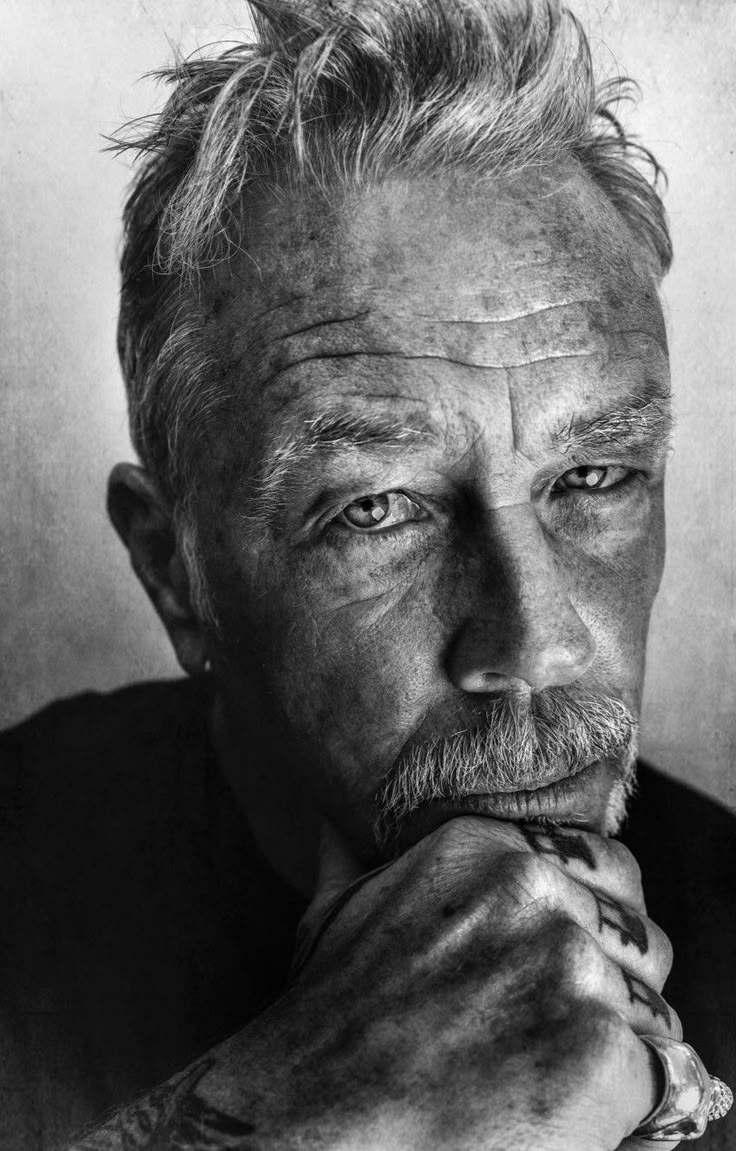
(375, 513)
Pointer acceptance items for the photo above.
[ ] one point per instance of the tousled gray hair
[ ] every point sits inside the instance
(330, 94)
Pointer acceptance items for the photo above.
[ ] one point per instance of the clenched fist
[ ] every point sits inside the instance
(484, 991)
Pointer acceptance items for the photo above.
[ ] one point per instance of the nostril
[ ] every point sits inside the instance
(483, 659)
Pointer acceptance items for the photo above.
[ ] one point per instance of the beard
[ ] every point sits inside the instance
(522, 742)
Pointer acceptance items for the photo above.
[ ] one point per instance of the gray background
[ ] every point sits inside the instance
(72, 616)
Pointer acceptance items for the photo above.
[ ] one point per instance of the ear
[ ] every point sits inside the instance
(144, 521)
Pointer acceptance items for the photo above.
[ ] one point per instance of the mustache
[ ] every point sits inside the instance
(522, 742)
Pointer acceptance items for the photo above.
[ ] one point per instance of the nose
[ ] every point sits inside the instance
(522, 625)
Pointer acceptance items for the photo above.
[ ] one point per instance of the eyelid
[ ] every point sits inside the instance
(380, 526)
(592, 468)
(611, 490)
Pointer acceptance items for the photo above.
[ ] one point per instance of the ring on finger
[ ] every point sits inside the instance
(691, 1098)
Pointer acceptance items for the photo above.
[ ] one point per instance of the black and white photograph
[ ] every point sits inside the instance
(367, 575)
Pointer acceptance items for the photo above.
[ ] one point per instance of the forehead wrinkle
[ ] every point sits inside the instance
(482, 331)
(397, 355)
(506, 317)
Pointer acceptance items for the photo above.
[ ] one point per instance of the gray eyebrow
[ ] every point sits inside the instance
(639, 421)
(328, 432)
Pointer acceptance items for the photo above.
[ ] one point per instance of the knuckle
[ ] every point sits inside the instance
(626, 866)
(461, 833)
(579, 961)
(599, 1033)
(529, 876)
(624, 857)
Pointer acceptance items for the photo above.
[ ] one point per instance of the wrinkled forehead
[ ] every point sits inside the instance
(489, 245)
(495, 274)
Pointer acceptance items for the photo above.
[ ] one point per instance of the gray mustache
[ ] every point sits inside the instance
(521, 743)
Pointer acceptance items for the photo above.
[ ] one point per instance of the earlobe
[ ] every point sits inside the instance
(145, 523)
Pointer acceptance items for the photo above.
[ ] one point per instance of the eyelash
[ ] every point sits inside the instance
(333, 525)
(612, 491)
(615, 491)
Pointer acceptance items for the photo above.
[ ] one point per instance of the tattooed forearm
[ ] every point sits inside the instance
(171, 1118)
(640, 993)
(564, 845)
(629, 926)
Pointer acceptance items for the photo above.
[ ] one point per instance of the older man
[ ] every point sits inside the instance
(398, 379)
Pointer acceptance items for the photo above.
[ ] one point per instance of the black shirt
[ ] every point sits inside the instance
(139, 925)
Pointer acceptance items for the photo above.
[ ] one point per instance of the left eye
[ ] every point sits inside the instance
(375, 512)
(591, 478)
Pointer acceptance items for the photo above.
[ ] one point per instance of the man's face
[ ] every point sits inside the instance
(440, 478)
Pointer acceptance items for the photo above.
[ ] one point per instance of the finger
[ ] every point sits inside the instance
(634, 941)
(582, 972)
(601, 863)
(632, 1143)
(629, 938)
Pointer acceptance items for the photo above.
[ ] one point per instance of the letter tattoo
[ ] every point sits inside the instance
(565, 845)
(640, 993)
(628, 925)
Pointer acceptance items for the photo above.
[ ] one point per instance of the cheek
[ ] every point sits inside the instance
(613, 584)
(357, 674)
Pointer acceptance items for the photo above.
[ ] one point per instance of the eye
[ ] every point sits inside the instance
(591, 478)
(375, 512)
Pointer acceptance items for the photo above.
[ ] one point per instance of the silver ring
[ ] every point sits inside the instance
(691, 1097)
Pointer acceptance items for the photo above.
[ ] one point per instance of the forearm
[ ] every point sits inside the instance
(237, 1097)
(174, 1115)
(225, 1101)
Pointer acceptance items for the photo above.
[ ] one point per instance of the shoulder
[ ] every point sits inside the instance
(137, 713)
(98, 777)
(100, 855)
(89, 740)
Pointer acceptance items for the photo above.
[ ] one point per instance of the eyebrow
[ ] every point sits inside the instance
(639, 421)
(328, 432)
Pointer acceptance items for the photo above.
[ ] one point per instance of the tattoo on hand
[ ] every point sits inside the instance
(171, 1118)
(628, 925)
(565, 845)
(640, 993)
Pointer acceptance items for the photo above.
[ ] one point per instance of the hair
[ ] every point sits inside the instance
(331, 94)
(523, 742)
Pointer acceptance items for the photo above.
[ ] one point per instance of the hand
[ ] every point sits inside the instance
(484, 991)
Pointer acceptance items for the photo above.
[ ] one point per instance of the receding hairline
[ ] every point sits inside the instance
(330, 211)
(350, 90)
(345, 296)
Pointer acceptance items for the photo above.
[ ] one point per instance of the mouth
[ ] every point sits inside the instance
(574, 800)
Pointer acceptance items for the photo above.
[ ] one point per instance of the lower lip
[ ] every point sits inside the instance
(576, 801)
